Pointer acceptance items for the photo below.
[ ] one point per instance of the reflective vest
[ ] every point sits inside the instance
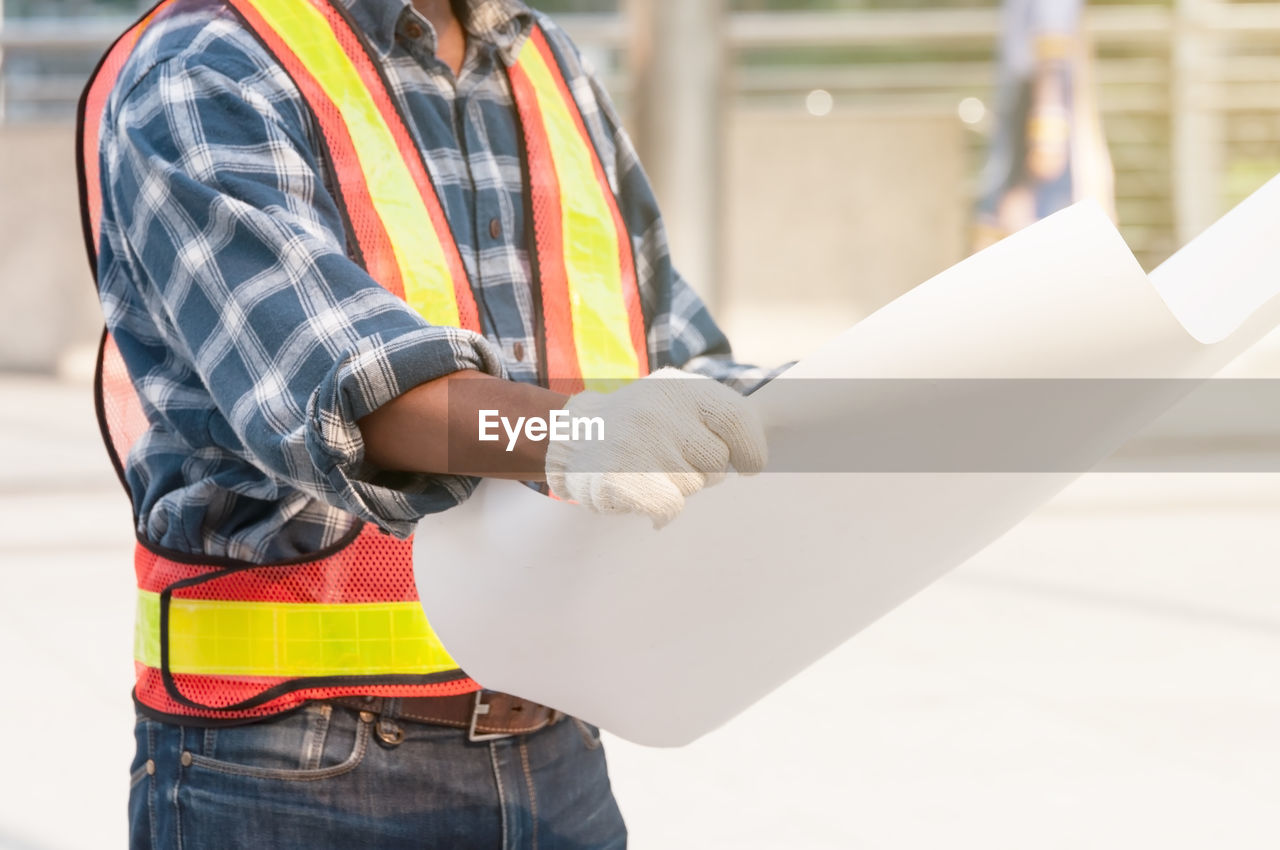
(220, 638)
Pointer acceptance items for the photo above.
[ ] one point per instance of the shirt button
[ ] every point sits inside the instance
(518, 350)
(413, 29)
(495, 228)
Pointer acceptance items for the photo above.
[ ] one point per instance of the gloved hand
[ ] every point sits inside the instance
(667, 436)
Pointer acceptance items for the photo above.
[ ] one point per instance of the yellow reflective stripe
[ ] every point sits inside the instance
(428, 285)
(601, 329)
(289, 639)
(146, 629)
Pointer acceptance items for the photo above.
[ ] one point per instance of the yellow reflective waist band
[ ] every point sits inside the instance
(289, 639)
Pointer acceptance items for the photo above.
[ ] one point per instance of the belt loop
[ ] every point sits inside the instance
(478, 709)
(368, 707)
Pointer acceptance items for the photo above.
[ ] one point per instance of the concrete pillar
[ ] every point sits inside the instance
(677, 59)
(50, 308)
(2, 84)
(1196, 121)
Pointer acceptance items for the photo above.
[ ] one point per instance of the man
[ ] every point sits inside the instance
(1047, 149)
(326, 237)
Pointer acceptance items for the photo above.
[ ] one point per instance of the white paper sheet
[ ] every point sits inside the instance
(660, 637)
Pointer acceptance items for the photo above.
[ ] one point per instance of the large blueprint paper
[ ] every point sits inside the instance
(660, 637)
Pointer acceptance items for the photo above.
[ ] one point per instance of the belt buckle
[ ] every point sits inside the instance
(477, 710)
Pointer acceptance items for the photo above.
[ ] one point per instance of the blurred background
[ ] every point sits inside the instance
(1108, 675)
(815, 158)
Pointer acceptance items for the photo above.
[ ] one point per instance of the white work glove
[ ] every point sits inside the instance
(667, 436)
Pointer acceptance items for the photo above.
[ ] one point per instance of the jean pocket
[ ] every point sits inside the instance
(590, 734)
(306, 746)
(137, 776)
(142, 763)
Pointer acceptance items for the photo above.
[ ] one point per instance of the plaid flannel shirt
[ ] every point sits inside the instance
(255, 342)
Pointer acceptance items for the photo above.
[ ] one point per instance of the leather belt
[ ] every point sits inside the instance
(486, 715)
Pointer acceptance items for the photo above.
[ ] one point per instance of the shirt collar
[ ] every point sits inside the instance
(501, 23)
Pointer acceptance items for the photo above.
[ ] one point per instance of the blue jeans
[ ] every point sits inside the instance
(322, 777)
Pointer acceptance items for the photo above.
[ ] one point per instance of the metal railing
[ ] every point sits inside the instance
(1108, 26)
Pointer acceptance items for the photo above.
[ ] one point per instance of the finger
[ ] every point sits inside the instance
(653, 494)
(740, 428)
(705, 451)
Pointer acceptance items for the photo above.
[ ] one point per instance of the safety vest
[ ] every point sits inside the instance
(220, 638)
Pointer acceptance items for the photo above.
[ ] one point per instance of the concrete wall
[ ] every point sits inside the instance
(829, 218)
(825, 220)
(47, 294)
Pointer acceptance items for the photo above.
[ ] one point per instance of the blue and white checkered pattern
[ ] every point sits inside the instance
(255, 342)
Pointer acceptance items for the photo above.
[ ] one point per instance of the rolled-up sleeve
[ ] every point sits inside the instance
(240, 257)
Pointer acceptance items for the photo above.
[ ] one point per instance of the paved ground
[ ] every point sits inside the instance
(1106, 676)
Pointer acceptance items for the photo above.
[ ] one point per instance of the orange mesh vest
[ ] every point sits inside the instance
(218, 638)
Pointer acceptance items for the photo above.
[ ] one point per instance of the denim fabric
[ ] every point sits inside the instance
(327, 777)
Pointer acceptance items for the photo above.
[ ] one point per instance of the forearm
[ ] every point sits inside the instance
(434, 428)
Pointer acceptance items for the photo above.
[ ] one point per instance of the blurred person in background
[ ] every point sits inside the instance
(306, 217)
(1047, 151)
